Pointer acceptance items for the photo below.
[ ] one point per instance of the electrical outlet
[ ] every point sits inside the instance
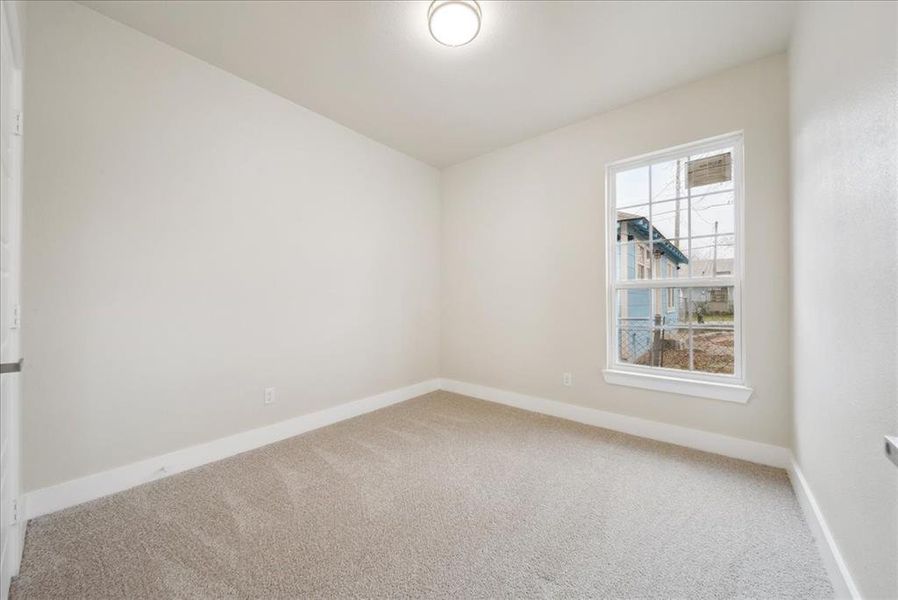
(567, 379)
(269, 395)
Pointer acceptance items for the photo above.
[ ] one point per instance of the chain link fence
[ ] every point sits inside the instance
(641, 342)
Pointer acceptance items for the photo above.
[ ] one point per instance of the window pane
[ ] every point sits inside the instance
(635, 342)
(644, 317)
(713, 214)
(633, 253)
(671, 348)
(632, 187)
(671, 218)
(634, 322)
(673, 306)
(713, 350)
(713, 256)
(710, 306)
(668, 180)
(712, 316)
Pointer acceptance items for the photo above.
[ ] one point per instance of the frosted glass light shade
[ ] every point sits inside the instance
(454, 22)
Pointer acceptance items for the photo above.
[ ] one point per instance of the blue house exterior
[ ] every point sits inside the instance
(639, 310)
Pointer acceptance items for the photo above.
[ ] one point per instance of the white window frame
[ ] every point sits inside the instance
(731, 387)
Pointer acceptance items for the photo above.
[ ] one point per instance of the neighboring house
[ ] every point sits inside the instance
(715, 301)
(706, 267)
(637, 261)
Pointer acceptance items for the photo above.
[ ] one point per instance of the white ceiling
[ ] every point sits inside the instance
(535, 66)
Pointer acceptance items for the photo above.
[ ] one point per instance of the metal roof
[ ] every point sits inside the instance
(641, 225)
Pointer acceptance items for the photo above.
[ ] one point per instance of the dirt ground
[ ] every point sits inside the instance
(713, 353)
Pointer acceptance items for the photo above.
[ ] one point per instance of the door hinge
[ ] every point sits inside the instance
(18, 123)
(15, 320)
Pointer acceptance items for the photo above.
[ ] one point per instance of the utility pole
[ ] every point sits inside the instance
(715, 250)
(677, 207)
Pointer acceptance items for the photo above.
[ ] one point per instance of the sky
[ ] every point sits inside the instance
(659, 184)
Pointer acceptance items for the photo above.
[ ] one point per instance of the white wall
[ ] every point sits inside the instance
(191, 239)
(844, 77)
(524, 254)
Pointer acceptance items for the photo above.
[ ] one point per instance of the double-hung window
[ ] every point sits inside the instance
(674, 270)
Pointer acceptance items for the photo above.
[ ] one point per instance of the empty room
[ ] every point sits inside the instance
(449, 299)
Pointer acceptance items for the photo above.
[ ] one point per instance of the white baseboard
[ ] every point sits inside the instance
(839, 574)
(70, 493)
(757, 452)
(57, 497)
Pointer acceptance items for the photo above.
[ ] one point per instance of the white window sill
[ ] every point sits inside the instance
(729, 392)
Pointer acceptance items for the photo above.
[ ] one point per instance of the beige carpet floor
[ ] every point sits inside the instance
(442, 496)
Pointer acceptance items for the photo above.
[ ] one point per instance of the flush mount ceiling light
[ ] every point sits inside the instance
(454, 22)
